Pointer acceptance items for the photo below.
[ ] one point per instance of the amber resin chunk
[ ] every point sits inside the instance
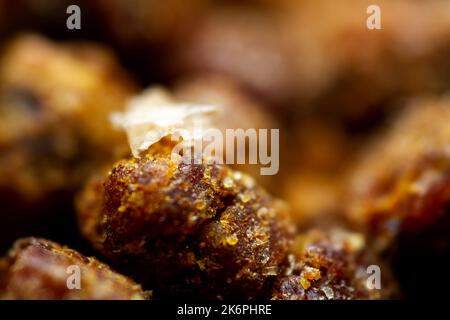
(331, 265)
(186, 230)
(40, 269)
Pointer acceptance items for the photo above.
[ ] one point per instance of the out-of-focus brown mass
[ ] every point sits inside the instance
(36, 269)
(403, 178)
(355, 73)
(54, 128)
(399, 191)
(193, 230)
(315, 159)
(242, 44)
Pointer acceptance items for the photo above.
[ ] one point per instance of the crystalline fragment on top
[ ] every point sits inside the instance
(153, 115)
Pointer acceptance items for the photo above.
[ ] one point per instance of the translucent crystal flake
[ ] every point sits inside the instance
(153, 115)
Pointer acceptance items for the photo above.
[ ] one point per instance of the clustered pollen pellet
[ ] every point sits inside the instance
(184, 229)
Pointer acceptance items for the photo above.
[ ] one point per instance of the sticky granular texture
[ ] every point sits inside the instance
(185, 229)
(399, 192)
(55, 101)
(36, 269)
(330, 265)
